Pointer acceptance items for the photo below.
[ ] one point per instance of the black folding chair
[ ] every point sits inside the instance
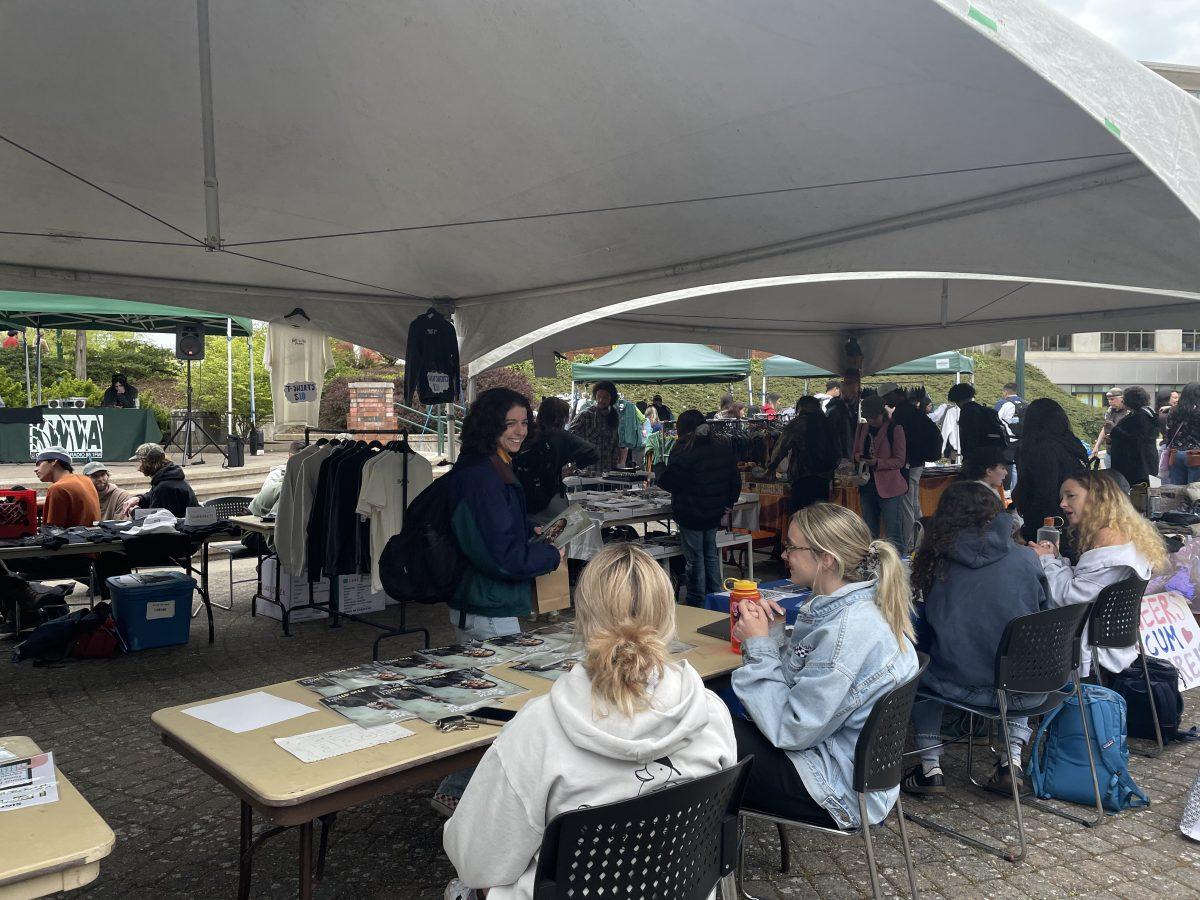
(878, 764)
(1115, 623)
(227, 507)
(672, 844)
(1038, 654)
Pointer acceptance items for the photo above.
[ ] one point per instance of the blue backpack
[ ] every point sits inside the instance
(1062, 772)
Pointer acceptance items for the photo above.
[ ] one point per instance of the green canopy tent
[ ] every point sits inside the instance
(661, 364)
(950, 361)
(21, 310)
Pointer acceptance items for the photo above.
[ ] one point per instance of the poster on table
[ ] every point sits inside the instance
(465, 656)
(369, 707)
(466, 688)
(339, 681)
(1170, 633)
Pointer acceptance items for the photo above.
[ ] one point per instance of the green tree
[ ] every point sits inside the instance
(209, 379)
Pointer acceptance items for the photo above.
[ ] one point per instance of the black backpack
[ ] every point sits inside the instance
(540, 474)
(1164, 682)
(1015, 426)
(925, 443)
(423, 562)
(980, 426)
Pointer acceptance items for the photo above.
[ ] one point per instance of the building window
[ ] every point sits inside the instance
(1091, 394)
(1051, 343)
(1191, 341)
(1127, 341)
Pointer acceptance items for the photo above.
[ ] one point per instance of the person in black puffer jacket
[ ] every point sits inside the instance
(1132, 450)
(1048, 453)
(539, 465)
(703, 480)
(168, 487)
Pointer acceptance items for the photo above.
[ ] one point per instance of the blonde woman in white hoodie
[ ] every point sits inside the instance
(1114, 543)
(626, 721)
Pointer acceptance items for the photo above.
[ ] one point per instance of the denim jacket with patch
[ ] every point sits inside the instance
(811, 696)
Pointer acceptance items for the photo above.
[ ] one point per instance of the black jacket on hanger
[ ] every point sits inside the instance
(431, 359)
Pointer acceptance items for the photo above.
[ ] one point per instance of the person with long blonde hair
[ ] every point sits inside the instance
(626, 721)
(808, 698)
(1114, 542)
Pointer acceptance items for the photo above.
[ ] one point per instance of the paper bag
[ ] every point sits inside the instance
(552, 591)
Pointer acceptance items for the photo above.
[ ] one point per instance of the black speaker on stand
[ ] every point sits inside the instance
(189, 347)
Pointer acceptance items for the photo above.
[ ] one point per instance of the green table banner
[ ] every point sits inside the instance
(86, 434)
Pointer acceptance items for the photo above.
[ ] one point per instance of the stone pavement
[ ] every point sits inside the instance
(177, 831)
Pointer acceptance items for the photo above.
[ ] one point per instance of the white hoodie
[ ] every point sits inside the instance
(558, 755)
(1096, 570)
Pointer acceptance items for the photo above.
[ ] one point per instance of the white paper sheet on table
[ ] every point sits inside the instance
(329, 742)
(4, 754)
(257, 710)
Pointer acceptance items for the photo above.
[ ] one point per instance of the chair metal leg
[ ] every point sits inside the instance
(1158, 738)
(868, 842)
(785, 849)
(908, 863)
(1002, 698)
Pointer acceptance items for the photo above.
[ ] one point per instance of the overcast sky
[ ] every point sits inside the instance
(1147, 30)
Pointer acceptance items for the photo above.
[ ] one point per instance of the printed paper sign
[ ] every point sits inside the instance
(439, 382)
(1169, 632)
(941, 363)
(200, 515)
(300, 391)
(80, 434)
(160, 609)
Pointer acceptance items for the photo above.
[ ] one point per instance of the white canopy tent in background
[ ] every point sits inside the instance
(919, 173)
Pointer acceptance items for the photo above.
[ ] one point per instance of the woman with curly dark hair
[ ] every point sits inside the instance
(975, 579)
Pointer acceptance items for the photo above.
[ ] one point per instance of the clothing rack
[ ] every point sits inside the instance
(331, 606)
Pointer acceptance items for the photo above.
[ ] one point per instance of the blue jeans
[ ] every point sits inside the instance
(927, 716)
(892, 512)
(480, 628)
(703, 563)
(1180, 472)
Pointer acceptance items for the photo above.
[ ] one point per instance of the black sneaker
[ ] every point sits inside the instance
(1002, 779)
(915, 781)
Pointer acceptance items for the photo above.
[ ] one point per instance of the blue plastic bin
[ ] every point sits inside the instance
(152, 609)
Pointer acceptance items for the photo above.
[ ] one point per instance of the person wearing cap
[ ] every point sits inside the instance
(71, 499)
(169, 489)
(1112, 416)
(880, 443)
(113, 499)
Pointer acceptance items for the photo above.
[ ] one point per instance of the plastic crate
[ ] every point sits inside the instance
(152, 609)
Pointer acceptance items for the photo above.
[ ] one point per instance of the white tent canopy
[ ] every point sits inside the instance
(810, 169)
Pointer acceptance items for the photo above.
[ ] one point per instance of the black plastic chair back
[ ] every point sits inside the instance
(1117, 614)
(672, 844)
(879, 752)
(1038, 652)
(229, 506)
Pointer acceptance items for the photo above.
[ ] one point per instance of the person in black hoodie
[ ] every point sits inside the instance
(975, 580)
(843, 414)
(1048, 453)
(807, 443)
(1132, 449)
(168, 487)
(703, 480)
(539, 465)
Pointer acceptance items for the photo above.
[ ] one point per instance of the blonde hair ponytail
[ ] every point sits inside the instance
(625, 617)
(844, 536)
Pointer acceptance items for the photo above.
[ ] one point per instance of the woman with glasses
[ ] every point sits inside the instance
(808, 698)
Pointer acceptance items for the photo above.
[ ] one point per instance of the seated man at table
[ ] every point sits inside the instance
(626, 720)
(120, 394)
(168, 486)
(113, 499)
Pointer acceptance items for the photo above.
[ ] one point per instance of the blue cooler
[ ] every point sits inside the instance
(153, 609)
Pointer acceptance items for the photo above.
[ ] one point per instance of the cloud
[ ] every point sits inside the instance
(1159, 31)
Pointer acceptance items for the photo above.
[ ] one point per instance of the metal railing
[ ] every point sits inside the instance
(428, 421)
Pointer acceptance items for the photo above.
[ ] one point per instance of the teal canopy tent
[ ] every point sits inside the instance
(949, 362)
(662, 364)
(786, 367)
(20, 310)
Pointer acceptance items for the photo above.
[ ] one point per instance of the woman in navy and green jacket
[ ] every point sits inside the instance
(490, 522)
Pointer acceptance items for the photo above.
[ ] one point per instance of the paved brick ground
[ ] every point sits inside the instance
(177, 830)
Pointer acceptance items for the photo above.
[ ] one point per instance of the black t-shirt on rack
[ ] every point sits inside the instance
(345, 531)
(431, 359)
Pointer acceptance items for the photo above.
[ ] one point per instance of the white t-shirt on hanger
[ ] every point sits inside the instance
(381, 498)
(296, 353)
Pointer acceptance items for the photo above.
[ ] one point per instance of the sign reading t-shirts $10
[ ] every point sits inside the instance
(300, 391)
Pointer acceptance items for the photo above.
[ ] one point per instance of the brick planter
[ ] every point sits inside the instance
(372, 406)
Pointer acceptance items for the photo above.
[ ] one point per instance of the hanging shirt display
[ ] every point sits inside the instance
(298, 355)
(431, 360)
(381, 498)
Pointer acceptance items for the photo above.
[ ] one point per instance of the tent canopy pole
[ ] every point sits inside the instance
(229, 376)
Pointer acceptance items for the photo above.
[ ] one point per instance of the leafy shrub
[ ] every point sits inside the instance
(74, 387)
(162, 414)
(12, 391)
(335, 402)
(507, 377)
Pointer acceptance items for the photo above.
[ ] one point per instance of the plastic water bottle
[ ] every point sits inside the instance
(1049, 532)
(739, 590)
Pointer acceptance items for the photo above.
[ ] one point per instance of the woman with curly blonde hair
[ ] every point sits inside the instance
(627, 720)
(1114, 543)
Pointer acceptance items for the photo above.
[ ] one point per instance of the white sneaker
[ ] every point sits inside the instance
(457, 890)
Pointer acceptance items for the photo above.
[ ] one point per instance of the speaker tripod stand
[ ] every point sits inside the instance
(189, 423)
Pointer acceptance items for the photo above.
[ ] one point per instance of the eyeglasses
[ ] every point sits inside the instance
(788, 548)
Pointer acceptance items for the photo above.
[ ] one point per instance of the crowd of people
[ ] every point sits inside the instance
(796, 704)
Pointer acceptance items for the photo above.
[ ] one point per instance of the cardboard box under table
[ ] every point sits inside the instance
(288, 793)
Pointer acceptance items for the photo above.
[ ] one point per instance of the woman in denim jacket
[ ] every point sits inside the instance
(808, 698)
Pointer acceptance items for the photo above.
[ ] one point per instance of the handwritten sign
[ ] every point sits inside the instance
(1170, 632)
(300, 391)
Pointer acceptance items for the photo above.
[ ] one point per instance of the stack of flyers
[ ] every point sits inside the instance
(464, 656)
(527, 642)
(465, 689)
(416, 665)
(339, 681)
(379, 705)
(28, 782)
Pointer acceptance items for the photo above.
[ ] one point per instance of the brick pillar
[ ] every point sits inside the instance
(372, 406)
